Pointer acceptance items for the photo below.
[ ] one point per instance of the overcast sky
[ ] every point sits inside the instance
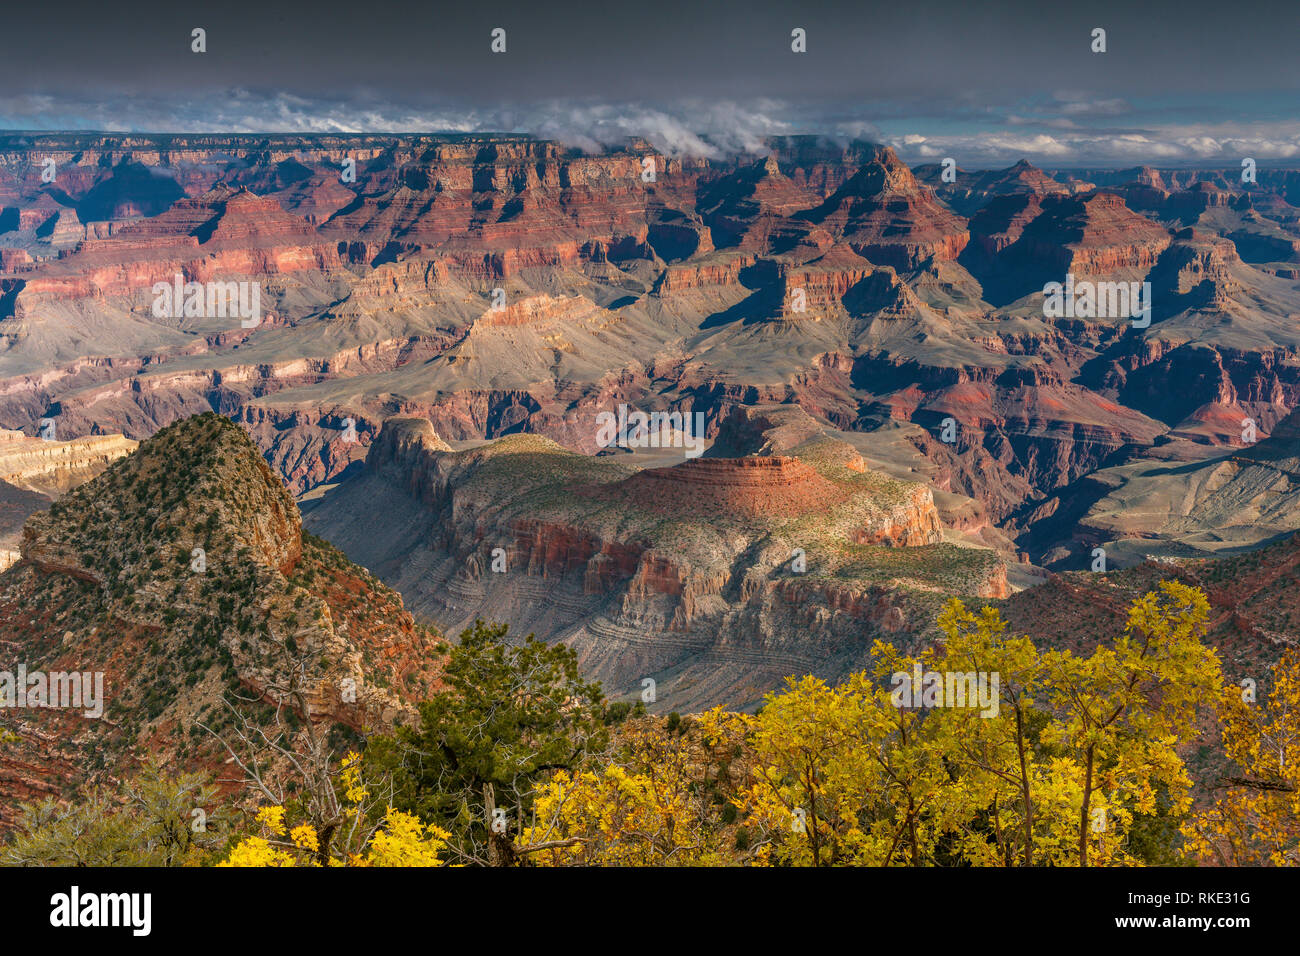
(983, 82)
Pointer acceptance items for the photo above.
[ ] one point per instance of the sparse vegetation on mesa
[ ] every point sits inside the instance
(527, 477)
(941, 567)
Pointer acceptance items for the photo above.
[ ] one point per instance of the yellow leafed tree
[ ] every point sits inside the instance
(400, 839)
(1255, 819)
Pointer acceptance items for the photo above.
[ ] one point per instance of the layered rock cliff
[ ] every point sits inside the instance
(34, 471)
(716, 576)
(52, 467)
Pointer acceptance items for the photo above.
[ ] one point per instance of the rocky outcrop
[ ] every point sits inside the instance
(181, 574)
(890, 218)
(973, 191)
(536, 311)
(720, 270)
(1002, 221)
(1095, 234)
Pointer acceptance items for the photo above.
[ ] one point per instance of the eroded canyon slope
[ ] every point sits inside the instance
(714, 577)
(1254, 604)
(182, 577)
(507, 290)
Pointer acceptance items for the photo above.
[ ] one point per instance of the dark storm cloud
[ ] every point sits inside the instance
(977, 79)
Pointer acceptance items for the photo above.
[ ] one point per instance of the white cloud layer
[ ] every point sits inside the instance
(1054, 131)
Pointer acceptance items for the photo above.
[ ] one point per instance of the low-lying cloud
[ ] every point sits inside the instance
(1063, 128)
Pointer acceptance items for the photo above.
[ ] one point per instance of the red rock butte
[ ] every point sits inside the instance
(775, 486)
